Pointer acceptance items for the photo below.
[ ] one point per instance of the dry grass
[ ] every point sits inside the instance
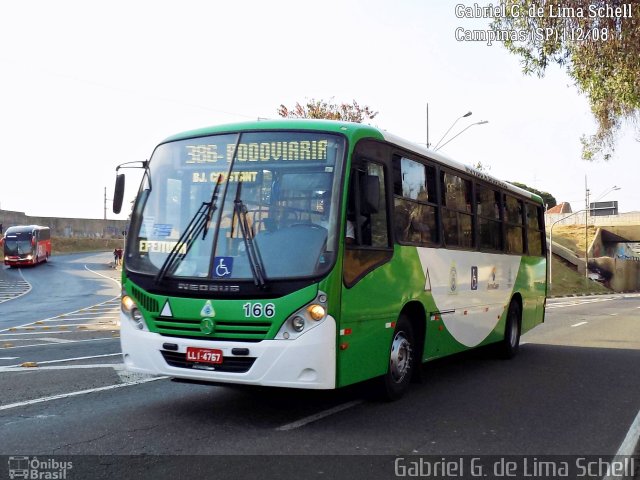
(573, 237)
(72, 245)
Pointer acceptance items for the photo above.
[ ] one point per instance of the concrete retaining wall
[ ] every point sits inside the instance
(66, 227)
(632, 218)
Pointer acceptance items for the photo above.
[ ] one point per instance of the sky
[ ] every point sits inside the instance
(85, 86)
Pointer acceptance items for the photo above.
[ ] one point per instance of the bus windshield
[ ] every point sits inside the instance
(275, 210)
(13, 246)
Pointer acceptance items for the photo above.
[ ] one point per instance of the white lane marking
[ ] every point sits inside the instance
(579, 324)
(573, 303)
(114, 299)
(56, 332)
(54, 341)
(79, 392)
(78, 319)
(8, 358)
(69, 359)
(628, 446)
(115, 366)
(319, 416)
(613, 314)
(22, 293)
(103, 276)
(46, 327)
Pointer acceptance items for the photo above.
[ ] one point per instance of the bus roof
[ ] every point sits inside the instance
(23, 229)
(355, 131)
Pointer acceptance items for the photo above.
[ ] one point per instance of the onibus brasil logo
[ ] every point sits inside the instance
(34, 468)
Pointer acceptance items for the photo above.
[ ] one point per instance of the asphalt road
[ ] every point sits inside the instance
(572, 390)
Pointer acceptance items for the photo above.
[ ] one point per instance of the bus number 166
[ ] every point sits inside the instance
(257, 310)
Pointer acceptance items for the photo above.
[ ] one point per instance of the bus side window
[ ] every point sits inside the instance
(366, 206)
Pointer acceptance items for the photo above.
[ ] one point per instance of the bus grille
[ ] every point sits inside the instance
(240, 330)
(229, 364)
(148, 303)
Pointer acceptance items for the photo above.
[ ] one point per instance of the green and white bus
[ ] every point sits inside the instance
(317, 254)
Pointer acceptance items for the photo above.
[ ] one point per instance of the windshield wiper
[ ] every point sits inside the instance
(199, 223)
(255, 260)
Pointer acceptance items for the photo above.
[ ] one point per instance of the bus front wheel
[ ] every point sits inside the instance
(398, 377)
(510, 345)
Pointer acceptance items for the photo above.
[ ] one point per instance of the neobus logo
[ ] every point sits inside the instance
(199, 287)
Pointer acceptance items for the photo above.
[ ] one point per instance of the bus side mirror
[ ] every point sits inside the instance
(118, 193)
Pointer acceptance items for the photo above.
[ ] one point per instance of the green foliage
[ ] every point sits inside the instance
(349, 112)
(601, 54)
(549, 200)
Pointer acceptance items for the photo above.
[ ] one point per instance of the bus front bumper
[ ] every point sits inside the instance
(306, 362)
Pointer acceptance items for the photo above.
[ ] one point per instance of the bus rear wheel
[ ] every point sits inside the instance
(510, 345)
(401, 361)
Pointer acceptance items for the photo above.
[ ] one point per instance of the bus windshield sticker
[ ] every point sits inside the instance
(162, 229)
(159, 247)
(222, 267)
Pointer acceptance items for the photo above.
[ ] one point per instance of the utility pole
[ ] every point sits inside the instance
(586, 230)
(105, 203)
(427, 124)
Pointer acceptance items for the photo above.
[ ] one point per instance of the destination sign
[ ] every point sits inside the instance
(311, 150)
(234, 177)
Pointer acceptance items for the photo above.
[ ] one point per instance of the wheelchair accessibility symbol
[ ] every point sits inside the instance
(223, 266)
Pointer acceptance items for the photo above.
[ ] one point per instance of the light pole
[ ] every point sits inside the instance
(586, 230)
(587, 214)
(564, 218)
(427, 124)
(468, 114)
(482, 122)
(551, 244)
(105, 202)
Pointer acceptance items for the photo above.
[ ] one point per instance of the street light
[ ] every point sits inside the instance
(482, 122)
(587, 213)
(468, 114)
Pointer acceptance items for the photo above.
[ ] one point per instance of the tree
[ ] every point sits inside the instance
(481, 166)
(597, 42)
(350, 112)
(549, 200)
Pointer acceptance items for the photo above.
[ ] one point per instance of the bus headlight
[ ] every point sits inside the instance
(133, 313)
(297, 323)
(304, 319)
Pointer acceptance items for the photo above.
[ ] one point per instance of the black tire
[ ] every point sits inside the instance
(401, 361)
(510, 344)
